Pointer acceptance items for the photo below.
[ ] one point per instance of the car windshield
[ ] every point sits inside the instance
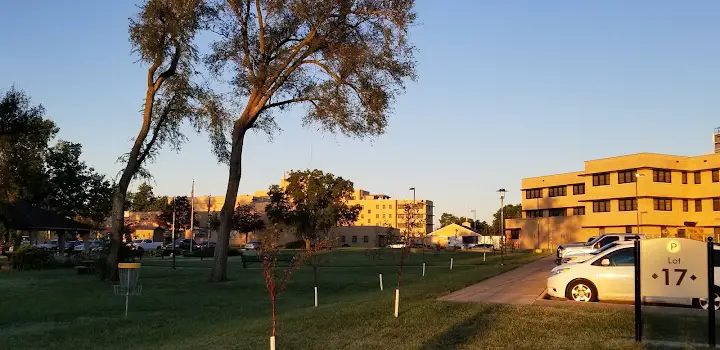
(606, 247)
(593, 241)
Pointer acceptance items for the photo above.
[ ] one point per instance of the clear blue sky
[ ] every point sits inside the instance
(507, 89)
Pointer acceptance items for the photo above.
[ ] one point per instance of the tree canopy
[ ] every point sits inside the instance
(512, 211)
(182, 210)
(246, 219)
(143, 199)
(477, 225)
(312, 204)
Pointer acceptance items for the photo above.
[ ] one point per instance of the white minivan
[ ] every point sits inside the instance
(610, 275)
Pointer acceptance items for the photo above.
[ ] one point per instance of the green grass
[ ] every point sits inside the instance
(179, 309)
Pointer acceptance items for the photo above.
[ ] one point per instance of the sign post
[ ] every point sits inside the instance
(711, 292)
(638, 293)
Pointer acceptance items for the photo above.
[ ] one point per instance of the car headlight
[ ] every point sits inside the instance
(559, 271)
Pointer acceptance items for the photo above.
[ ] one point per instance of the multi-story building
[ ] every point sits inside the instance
(655, 194)
(380, 210)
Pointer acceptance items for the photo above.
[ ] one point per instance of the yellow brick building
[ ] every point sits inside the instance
(661, 195)
(380, 210)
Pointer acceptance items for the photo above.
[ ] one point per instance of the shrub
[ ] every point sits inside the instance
(295, 245)
(29, 257)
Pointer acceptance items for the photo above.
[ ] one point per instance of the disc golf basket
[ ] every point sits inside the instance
(129, 273)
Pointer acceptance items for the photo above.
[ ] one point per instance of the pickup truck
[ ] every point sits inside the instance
(147, 244)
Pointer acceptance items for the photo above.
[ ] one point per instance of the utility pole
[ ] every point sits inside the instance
(192, 215)
(172, 228)
(502, 225)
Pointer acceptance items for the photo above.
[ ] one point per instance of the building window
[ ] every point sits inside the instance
(698, 177)
(601, 206)
(628, 229)
(626, 176)
(534, 193)
(681, 233)
(383, 216)
(662, 176)
(534, 213)
(716, 175)
(383, 206)
(627, 204)
(558, 212)
(389, 206)
(716, 204)
(362, 216)
(342, 239)
(601, 179)
(698, 205)
(354, 239)
(377, 206)
(377, 216)
(369, 212)
(557, 191)
(579, 189)
(716, 233)
(684, 177)
(685, 205)
(663, 204)
(366, 239)
(368, 221)
(579, 211)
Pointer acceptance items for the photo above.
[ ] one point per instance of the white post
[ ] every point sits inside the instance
(451, 262)
(397, 301)
(423, 269)
(316, 297)
(483, 257)
(272, 343)
(381, 285)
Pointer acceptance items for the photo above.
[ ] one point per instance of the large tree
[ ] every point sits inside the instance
(512, 211)
(344, 60)
(162, 35)
(144, 199)
(246, 219)
(24, 138)
(182, 208)
(312, 204)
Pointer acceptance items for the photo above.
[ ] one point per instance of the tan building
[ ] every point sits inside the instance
(381, 210)
(659, 195)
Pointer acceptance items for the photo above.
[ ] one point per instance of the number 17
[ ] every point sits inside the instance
(667, 276)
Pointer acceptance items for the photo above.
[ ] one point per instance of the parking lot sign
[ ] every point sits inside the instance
(674, 267)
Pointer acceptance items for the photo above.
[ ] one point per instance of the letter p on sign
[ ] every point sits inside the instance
(673, 246)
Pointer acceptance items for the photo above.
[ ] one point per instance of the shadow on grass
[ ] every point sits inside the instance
(463, 332)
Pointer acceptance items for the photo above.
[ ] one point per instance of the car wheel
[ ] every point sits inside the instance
(703, 304)
(583, 291)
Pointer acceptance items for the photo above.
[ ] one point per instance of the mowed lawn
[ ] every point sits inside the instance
(179, 309)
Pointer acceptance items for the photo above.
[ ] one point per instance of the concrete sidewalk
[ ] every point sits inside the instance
(519, 286)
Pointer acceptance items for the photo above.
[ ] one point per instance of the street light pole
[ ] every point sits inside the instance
(474, 226)
(172, 227)
(502, 225)
(637, 200)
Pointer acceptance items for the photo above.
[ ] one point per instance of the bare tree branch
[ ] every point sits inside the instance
(292, 100)
(333, 75)
(261, 29)
(170, 71)
(244, 18)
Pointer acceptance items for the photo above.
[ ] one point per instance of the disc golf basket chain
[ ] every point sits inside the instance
(129, 273)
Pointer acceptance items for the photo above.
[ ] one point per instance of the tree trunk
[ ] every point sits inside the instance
(86, 241)
(61, 242)
(219, 269)
(246, 237)
(117, 217)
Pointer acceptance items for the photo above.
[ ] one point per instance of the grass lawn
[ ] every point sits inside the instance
(57, 309)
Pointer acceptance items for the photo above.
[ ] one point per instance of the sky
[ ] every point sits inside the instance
(506, 90)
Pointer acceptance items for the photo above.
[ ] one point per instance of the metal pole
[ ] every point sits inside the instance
(638, 293)
(502, 228)
(637, 205)
(174, 248)
(192, 215)
(539, 212)
(711, 293)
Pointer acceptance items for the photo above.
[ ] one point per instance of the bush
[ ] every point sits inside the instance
(29, 257)
(295, 245)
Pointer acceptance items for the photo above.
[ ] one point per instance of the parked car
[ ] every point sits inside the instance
(147, 244)
(610, 275)
(203, 245)
(49, 245)
(595, 244)
(252, 246)
(398, 245)
(577, 257)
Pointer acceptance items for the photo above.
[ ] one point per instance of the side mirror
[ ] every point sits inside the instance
(605, 262)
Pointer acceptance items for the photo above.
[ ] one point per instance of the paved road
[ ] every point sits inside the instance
(522, 285)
